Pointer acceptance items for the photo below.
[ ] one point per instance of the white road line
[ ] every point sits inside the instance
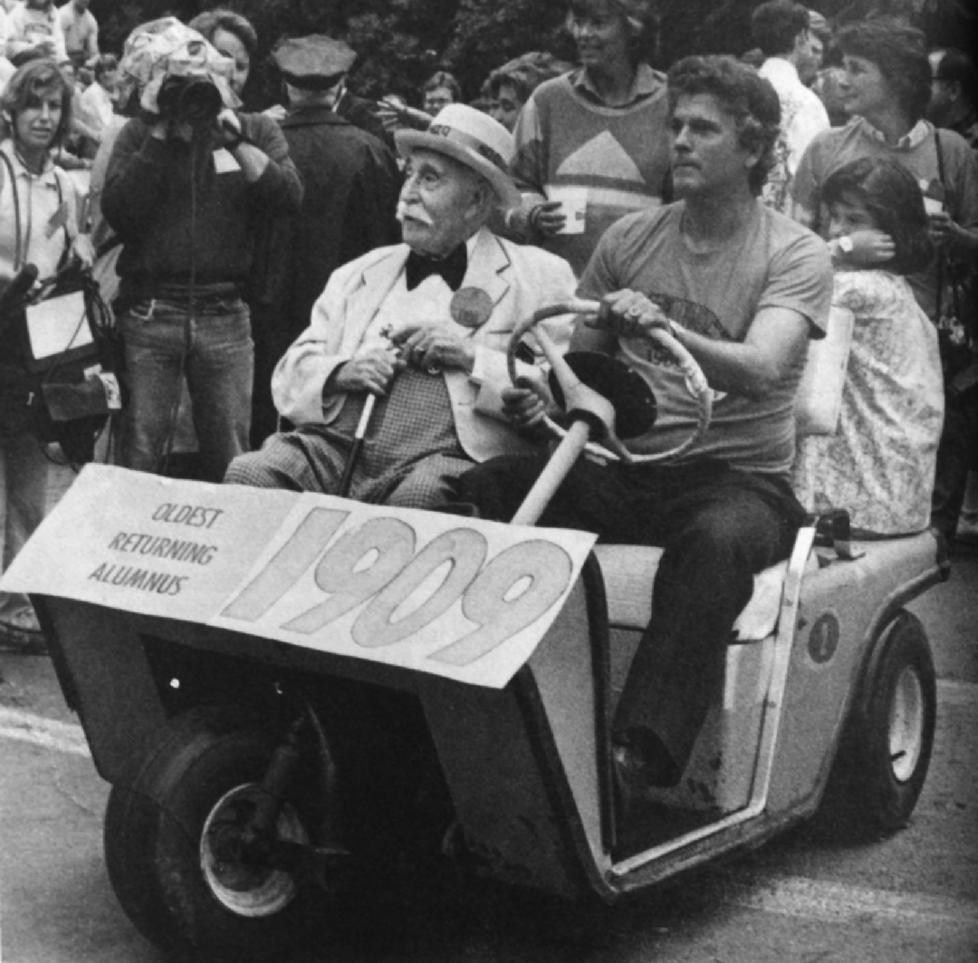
(828, 902)
(49, 733)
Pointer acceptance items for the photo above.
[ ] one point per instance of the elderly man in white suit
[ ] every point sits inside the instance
(423, 327)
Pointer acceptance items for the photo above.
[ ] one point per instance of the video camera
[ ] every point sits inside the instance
(190, 100)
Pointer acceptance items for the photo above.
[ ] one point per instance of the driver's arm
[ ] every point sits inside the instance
(776, 341)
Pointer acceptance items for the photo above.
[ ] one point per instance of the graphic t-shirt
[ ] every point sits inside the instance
(772, 262)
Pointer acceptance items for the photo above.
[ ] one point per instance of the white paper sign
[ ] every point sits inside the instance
(456, 597)
(58, 324)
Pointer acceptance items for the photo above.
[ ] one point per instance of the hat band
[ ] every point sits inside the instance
(473, 143)
(312, 81)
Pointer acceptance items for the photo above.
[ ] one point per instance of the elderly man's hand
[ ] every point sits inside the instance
(525, 404)
(432, 347)
(371, 369)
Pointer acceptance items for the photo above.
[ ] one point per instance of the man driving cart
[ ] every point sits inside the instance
(742, 288)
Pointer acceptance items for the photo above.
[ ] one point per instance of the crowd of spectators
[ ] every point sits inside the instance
(215, 245)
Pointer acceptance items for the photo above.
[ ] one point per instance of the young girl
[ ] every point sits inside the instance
(879, 464)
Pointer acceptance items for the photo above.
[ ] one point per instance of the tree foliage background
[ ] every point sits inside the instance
(401, 42)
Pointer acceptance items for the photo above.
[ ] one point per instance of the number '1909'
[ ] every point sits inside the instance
(379, 563)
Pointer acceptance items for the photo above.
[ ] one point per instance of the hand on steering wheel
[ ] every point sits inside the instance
(635, 314)
(647, 321)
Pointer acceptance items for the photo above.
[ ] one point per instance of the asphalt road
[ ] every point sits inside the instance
(808, 896)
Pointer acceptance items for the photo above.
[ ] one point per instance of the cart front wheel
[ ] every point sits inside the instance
(175, 842)
(887, 742)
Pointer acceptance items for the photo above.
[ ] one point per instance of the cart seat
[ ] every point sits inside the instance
(629, 571)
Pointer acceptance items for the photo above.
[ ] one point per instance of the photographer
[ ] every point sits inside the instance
(185, 185)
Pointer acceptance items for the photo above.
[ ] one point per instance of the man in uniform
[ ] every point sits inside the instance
(351, 183)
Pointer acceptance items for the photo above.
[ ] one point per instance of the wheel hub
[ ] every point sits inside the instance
(906, 724)
(238, 881)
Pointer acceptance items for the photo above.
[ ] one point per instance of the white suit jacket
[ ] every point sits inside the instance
(519, 279)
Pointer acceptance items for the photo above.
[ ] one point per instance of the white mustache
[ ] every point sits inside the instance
(415, 212)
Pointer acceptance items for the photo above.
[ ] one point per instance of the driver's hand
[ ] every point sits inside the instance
(432, 347)
(370, 369)
(636, 311)
(525, 404)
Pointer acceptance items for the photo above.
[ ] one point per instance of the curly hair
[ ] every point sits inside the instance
(750, 99)
(900, 52)
(641, 18)
(34, 79)
(891, 196)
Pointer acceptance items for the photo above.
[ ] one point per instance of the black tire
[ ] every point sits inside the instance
(200, 773)
(889, 735)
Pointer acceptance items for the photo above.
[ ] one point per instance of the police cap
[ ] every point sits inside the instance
(313, 62)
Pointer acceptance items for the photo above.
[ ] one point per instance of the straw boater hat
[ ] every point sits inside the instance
(473, 139)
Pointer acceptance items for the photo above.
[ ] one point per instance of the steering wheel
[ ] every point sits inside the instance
(599, 411)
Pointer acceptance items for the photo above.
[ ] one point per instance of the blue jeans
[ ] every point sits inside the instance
(213, 349)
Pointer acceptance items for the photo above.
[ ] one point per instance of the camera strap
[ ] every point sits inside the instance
(20, 244)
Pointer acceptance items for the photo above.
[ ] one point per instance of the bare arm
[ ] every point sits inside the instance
(776, 341)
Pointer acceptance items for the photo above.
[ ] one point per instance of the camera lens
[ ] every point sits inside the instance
(190, 100)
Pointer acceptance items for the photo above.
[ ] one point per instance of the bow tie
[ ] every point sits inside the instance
(451, 268)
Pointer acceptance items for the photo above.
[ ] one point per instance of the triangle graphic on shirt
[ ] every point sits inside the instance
(602, 155)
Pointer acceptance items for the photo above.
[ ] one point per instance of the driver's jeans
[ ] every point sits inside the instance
(718, 527)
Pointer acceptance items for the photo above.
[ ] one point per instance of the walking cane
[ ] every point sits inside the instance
(359, 434)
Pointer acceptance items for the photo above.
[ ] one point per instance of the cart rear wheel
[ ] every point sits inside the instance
(886, 746)
(172, 842)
